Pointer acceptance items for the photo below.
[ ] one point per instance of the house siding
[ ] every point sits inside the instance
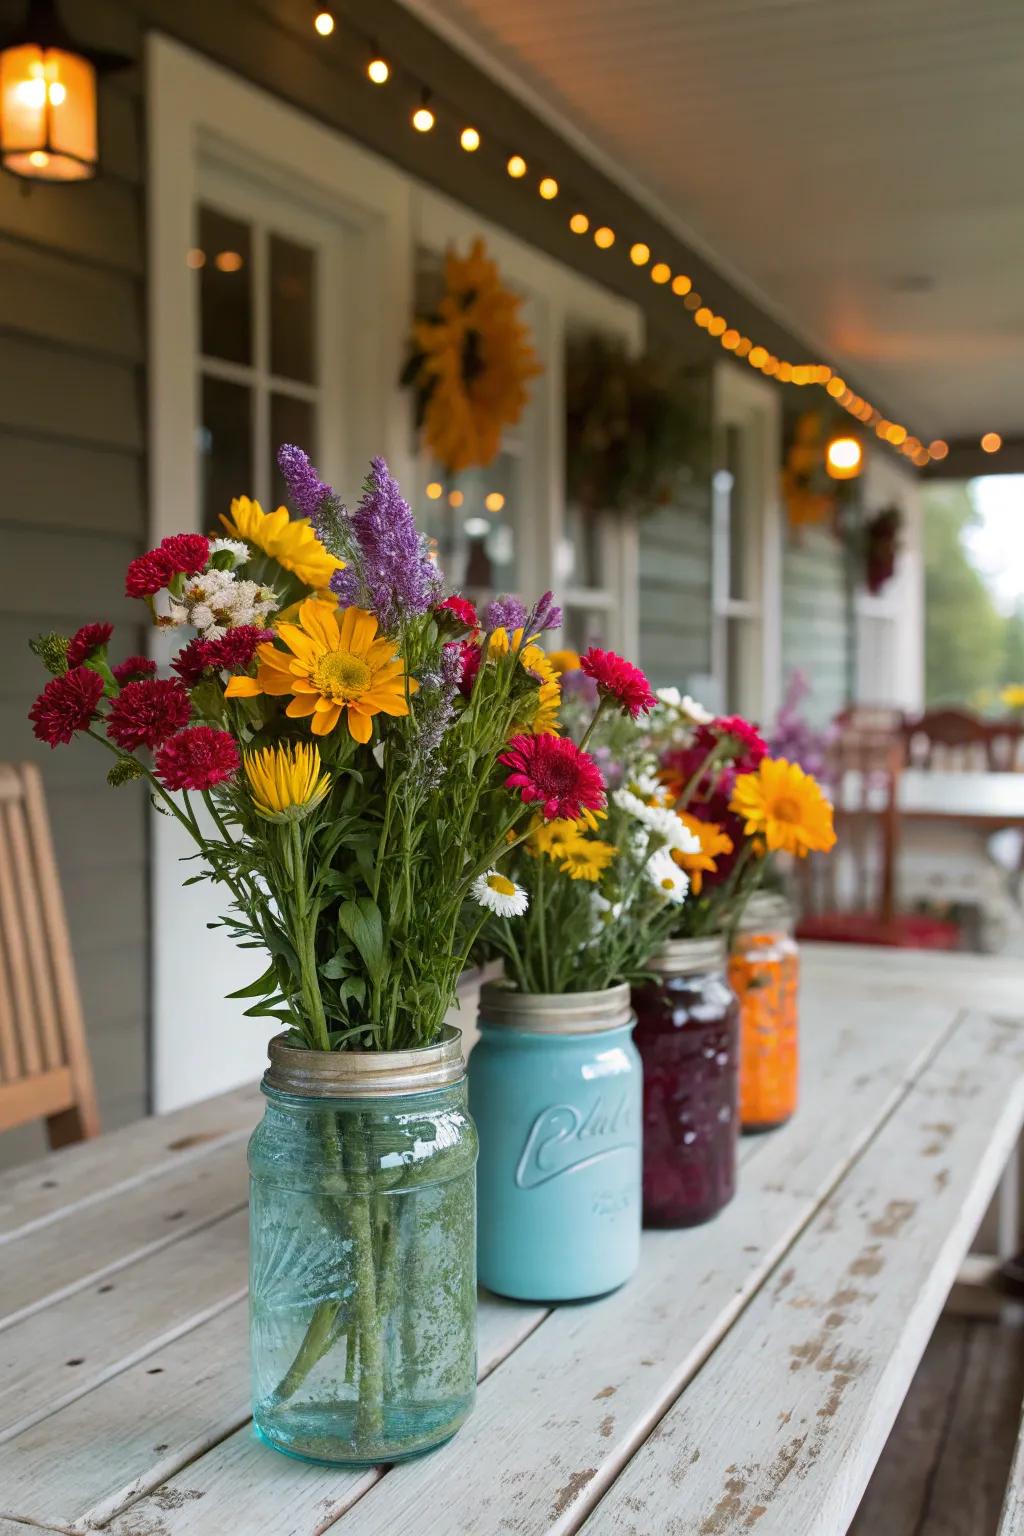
(816, 630)
(675, 589)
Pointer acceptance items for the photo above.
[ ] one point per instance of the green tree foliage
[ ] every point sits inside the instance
(967, 639)
(1013, 647)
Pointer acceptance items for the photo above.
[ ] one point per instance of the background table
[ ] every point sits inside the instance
(745, 1379)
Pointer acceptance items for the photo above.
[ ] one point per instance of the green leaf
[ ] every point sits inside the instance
(354, 987)
(360, 919)
(261, 987)
(336, 967)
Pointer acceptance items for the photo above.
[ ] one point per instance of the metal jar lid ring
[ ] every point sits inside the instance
(688, 957)
(555, 1013)
(364, 1074)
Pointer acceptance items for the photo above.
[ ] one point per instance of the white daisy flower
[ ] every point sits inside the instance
(201, 616)
(238, 551)
(667, 878)
(671, 697)
(646, 783)
(696, 712)
(499, 894)
(657, 819)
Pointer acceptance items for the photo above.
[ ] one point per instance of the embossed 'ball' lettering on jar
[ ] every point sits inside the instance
(688, 1037)
(555, 1090)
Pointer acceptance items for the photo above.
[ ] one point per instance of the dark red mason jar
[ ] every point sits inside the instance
(688, 1037)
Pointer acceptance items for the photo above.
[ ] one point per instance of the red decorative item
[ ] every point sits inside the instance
(881, 547)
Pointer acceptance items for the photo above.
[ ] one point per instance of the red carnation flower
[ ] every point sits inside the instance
(192, 661)
(619, 680)
(555, 772)
(197, 758)
(457, 613)
(145, 713)
(133, 668)
(66, 705)
(745, 745)
(85, 642)
(234, 651)
(147, 574)
(469, 655)
(187, 553)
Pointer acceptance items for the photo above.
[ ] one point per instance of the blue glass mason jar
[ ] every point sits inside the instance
(555, 1087)
(362, 1252)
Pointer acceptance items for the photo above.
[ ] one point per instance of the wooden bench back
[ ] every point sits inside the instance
(954, 740)
(44, 1064)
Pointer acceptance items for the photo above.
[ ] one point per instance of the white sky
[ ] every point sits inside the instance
(997, 546)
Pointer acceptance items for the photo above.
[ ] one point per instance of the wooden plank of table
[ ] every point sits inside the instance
(54, 1356)
(782, 1429)
(1011, 1521)
(581, 1389)
(89, 1244)
(137, 1429)
(89, 1172)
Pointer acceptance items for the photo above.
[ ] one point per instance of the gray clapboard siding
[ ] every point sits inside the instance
(56, 299)
(69, 394)
(81, 487)
(104, 226)
(815, 631)
(675, 587)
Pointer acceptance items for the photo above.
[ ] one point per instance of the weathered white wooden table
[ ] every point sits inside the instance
(745, 1380)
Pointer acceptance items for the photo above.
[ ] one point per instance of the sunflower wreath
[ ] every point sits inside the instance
(470, 363)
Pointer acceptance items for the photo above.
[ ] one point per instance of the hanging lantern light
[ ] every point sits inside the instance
(48, 99)
(844, 458)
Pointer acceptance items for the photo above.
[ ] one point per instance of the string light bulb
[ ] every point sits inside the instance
(548, 188)
(991, 442)
(639, 254)
(435, 490)
(604, 238)
(469, 138)
(423, 118)
(323, 21)
(681, 284)
(378, 70)
(516, 167)
(938, 449)
(494, 501)
(579, 223)
(661, 272)
(843, 458)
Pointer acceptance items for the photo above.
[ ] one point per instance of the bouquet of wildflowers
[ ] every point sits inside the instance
(596, 885)
(333, 740)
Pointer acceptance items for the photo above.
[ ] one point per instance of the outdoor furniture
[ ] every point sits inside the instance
(957, 740)
(44, 1063)
(746, 1378)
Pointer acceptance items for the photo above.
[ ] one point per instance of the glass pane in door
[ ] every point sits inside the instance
(291, 421)
(225, 444)
(292, 303)
(224, 258)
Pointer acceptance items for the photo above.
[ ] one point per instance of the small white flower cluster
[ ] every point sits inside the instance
(217, 601)
(238, 551)
(667, 878)
(658, 819)
(672, 700)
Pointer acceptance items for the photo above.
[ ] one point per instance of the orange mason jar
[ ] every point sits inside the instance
(764, 972)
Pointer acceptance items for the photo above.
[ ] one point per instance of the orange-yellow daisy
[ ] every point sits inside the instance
(785, 807)
(713, 844)
(336, 665)
(289, 541)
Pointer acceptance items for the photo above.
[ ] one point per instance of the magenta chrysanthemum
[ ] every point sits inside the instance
(144, 714)
(469, 658)
(85, 642)
(198, 758)
(743, 744)
(618, 679)
(553, 771)
(456, 613)
(133, 669)
(66, 705)
(147, 574)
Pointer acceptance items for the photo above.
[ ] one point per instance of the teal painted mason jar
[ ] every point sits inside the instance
(362, 1252)
(555, 1087)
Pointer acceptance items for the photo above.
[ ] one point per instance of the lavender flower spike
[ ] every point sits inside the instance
(306, 489)
(545, 614)
(505, 613)
(390, 569)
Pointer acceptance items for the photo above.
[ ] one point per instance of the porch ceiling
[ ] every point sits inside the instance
(855, 167)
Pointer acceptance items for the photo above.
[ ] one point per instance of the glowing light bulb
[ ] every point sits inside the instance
(548, 188)
(661, 272)
(579, 223)
(379, 71)
(836, 387)
(494, 501)
(455, 498)
(228, 261)
(843, 458)
(604, 238)
(704, 317)
(516, 166)
(324, 23)
(895, 434)
(681, 284)
(195, 259)
(423, 119)
(731, 340)
(991, 442)
(716, 325)
(639, 254)
(469, 138)
(58, 94)
(938, 449)
(435, 490)
(758, 357)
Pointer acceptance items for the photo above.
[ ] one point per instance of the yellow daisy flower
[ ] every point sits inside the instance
(286, 780)
(548, 836)
(289, 541)
(564, 661)
(713, 844)
(785, 807)
(584, 858)
(337, 664)
(1013, 695)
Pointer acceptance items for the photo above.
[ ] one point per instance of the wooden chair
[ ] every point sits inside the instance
(850, 895)
(951, 740)
(44, 1063)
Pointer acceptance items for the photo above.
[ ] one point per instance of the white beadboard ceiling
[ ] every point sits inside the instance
(857, 165)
